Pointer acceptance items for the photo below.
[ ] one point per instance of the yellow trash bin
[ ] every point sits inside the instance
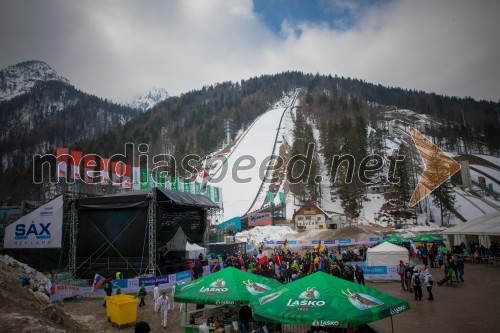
(121, 309)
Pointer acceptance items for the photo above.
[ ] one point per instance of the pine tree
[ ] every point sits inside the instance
(444, 197)
(405, 184)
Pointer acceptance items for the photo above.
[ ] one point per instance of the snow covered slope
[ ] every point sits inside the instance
(240, 177)
(20, 78)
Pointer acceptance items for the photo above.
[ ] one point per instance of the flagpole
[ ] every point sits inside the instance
(392, 325)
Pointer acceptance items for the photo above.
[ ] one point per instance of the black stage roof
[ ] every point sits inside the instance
(139, 198)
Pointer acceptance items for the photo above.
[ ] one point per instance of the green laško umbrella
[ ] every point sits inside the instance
(395, 239)
(227, 286)
(323, 300)
(427, 238)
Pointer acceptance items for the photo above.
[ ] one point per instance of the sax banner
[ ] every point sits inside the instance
(40, 229)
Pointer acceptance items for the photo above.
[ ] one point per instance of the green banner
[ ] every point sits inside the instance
(144, 179)
(197, 188)
(209, 192)
(187, 186)
(216, 195)
(161, 180)
(270, 196)
(282, 196)
(175, 183)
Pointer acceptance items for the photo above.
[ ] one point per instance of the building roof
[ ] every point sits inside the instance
(310, 205)
(488, 225)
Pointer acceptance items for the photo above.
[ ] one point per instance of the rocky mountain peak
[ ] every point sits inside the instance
(19, 79)
(150, 99)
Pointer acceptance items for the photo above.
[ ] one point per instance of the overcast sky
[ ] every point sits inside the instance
(120, 49)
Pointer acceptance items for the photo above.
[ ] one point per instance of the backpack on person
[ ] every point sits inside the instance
(417, 280)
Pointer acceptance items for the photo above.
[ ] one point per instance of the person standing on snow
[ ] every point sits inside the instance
(163, 305)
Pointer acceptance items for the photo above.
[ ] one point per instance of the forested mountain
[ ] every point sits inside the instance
(40, 111)
(192, 123)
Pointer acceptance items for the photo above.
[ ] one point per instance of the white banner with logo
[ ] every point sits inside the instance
(40, 229)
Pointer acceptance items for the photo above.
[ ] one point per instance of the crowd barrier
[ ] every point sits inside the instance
(306, 243)
(128, 286)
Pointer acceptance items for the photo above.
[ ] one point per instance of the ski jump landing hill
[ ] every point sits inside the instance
(241, 176)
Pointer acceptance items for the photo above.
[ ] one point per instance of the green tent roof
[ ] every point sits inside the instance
(323, 300)
(427, 238)
(395, 239)
(227, 286)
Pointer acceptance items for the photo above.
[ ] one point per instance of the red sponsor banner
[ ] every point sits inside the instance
(104, 168)
(76, 156)
(127, 176)
(89, 165)
(116, 172)
(62, 155)
(258, 219)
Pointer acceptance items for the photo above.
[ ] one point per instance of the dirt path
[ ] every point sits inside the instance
(468, 307)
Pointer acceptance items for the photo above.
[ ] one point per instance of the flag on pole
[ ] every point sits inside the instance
(205, 176)
(414, 250)
(98, 281)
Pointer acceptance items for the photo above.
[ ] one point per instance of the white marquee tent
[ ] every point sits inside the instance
(486, 228)
(387, 254)
(193, 251)
(179, 243)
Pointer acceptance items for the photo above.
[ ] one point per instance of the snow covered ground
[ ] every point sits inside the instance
(259, 234)
(492, 159)
(475, 176)
(240, 177)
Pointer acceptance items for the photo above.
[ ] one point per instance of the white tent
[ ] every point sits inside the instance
(386, 254)
(193, 251)
(484, 227)
(180, 243)
(382, 261)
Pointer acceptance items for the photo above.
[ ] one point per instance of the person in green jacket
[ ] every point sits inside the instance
(449, 274)
(142, 295)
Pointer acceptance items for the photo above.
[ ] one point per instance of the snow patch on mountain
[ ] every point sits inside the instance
(19, 79)
(149, 99)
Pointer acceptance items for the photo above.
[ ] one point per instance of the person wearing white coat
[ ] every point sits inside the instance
(156, 295)
(173, 294)
(163, 304)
